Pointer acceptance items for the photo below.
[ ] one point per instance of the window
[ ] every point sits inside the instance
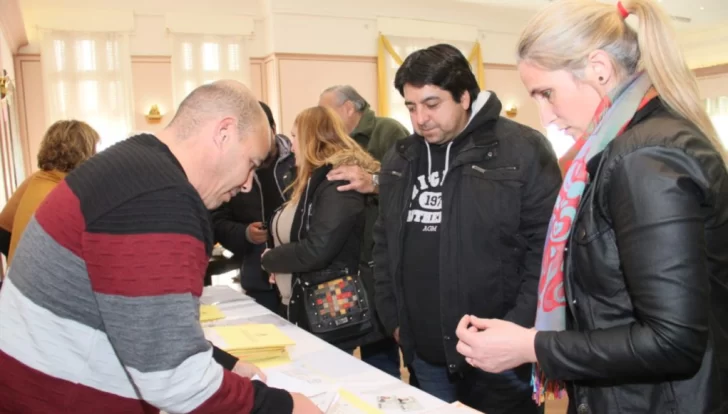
(12, 171)
(87, 76)
(560, 141)
(201, 59)
(717, 109)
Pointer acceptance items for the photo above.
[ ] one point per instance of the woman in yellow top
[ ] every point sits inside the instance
(65, 146)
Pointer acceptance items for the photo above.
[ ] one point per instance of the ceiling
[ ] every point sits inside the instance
(701, 13)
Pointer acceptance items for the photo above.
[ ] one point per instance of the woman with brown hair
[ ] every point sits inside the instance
(318, 234)
(633, 299)
(65, 146)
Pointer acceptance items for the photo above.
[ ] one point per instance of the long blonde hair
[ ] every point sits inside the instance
(322, 140)
(563, 35)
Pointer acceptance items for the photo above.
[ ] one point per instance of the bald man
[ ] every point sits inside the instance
(100, 312)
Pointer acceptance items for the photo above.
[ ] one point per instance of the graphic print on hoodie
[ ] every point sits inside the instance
(421, 253)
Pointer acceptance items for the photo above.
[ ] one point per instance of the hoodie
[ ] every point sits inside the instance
(420, 260)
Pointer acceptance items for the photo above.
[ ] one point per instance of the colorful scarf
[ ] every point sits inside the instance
(611, 118)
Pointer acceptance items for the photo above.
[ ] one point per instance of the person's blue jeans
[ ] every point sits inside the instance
(383, 355)
(434, 380)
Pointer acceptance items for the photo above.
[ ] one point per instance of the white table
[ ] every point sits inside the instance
(318, 364)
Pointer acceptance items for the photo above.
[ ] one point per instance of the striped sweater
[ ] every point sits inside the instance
(100, 312)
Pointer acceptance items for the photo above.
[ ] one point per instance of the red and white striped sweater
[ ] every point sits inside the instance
(100, 313)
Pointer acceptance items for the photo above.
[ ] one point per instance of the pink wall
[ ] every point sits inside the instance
(302, 78)
(288, 82)
(152, 86)
(506, 83)
(31, 110)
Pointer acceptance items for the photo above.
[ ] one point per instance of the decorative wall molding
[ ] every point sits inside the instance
(11, 24)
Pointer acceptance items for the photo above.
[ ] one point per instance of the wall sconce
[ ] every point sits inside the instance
(511, 110)
(4, 84)
(154, 115)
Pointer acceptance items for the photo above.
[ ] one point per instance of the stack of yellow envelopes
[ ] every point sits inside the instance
(253, 342)
(210, 313)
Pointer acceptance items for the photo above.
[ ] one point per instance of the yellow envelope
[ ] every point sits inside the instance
(253, 336)
(273, 362)
(210, 313)
(361, 405)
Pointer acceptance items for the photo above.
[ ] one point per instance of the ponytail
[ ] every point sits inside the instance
(665, 64)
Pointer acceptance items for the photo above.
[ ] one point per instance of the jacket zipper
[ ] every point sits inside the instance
(400, 233)
(275, 176)
(484, 170)
(262, 201)
(296, 282)
(262, 210)
(305, 209)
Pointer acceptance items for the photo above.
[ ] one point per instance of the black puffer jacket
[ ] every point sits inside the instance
(326, 234)
(497, 201)
(646, 277)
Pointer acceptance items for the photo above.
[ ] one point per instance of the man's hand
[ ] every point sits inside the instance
(248, 370)
(256, 233)
(396, 334)
(302, 405)
(359, 180)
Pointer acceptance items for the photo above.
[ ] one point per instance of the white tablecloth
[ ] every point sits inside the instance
(316, 364)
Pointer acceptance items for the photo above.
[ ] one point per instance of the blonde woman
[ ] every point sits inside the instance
(633, 301)
(64, 147)
(318, 234)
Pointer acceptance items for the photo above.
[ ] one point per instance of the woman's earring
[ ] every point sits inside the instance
(601, 79)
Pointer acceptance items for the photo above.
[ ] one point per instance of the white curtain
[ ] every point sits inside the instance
(12, 165)
(11, 149)
(717, 109)
(201, 59)
(87, 76)
(559, 141)
(404, 46)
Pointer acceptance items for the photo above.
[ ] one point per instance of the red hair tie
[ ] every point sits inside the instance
(622, 11)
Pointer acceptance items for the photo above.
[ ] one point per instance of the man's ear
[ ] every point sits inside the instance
(465, 100)
(350, 109)
(224, 131)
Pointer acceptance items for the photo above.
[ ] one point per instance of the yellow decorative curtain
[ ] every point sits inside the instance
(385, 49)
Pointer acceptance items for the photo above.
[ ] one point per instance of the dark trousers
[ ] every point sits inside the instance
(267, 298)
(505, 393)
(383, 355)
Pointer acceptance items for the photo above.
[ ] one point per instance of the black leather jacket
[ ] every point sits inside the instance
(646, 277)
(326, 234)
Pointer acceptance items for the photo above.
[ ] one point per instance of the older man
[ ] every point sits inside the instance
(100, 310)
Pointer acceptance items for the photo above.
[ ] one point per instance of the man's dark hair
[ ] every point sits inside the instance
(441, 65)
(269, 114)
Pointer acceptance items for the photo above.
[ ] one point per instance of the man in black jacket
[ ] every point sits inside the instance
(241, 224)
(464, 208)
